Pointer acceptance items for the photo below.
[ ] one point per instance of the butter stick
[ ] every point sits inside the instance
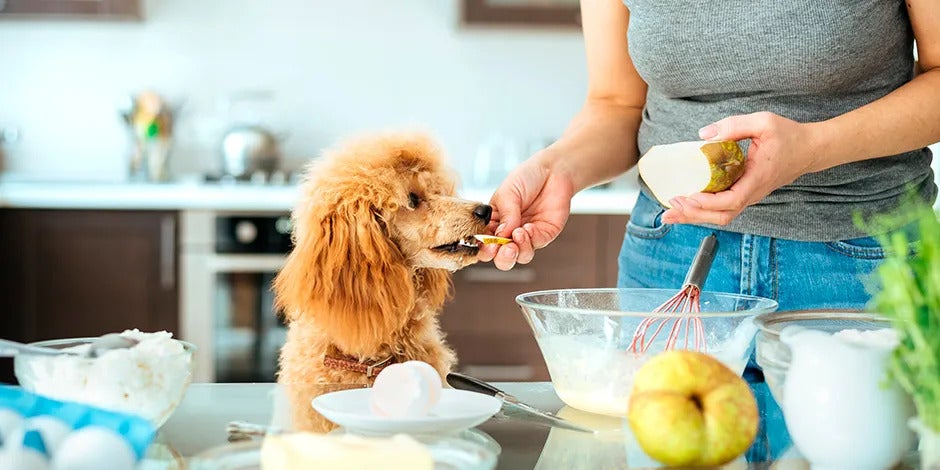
(345, 452)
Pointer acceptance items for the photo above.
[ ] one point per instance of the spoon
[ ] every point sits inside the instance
(99, 346)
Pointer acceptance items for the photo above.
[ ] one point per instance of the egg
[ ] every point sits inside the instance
(30, 437)
(94, 448)
(409, 389)
(10, 421)
(22, 458)
(432, 380)
(52, 430)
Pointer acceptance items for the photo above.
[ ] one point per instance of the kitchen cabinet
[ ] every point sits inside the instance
(483, 322)
(75, 273)
(565, 14)
(121, 10)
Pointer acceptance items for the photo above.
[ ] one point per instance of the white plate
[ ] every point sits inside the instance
(457, 410)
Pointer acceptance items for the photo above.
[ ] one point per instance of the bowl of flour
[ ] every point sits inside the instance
(148, 379)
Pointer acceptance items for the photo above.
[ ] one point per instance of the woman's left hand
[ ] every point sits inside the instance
(781, 150)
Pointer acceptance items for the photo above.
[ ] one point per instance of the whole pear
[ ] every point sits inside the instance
(689, 409)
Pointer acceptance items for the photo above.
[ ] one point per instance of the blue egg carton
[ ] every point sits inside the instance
(135, 430)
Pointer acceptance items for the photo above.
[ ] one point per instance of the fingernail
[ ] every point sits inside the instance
(499, 229)
(691, 202)
(676, 204)
(708, 132)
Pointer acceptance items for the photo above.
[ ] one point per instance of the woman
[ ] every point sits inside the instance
(823, 96)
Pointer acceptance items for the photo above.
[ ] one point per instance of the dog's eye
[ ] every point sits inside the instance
(413, 200)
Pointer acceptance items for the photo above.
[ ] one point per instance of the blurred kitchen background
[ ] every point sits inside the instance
(150, 149)
(310, 70)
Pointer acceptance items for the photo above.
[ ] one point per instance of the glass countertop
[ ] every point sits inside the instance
(200, 423)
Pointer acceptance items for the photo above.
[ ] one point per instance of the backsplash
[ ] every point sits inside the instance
(333, 68)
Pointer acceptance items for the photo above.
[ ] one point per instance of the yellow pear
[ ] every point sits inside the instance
(689, 409)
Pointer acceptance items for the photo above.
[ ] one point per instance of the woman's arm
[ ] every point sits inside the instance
(782, 150)
(904, 120)
(533, 203)
(600, 142)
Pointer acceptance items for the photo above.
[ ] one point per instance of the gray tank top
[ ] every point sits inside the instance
(807, 60)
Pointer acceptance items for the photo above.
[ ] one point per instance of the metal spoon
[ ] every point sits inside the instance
(99, 346)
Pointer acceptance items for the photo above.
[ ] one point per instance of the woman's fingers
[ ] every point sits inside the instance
(684, 213)
(506, 256)
(526, 247)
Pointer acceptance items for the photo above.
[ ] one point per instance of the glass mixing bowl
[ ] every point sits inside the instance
(148, 386)
(585, 337)
(773, 356)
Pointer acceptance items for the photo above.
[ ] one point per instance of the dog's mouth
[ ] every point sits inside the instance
(466, 244)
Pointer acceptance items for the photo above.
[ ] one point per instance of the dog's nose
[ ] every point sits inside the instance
(483, 212)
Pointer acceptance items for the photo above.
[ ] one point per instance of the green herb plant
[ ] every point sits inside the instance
(908, 295)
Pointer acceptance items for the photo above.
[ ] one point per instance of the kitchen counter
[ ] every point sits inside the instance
(229, 197)
(200, 423)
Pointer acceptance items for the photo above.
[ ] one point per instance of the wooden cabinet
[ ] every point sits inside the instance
(483, 322)
(564, 14)
(85, 273)
(122, 10)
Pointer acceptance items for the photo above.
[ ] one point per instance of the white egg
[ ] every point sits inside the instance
(52, 430)
(18, 439)
(405, 390)
(19, 458)
(9, 421)
(94, 448)
(432, 380)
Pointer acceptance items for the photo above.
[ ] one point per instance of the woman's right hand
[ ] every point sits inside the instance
(531, 206)
(533, 203)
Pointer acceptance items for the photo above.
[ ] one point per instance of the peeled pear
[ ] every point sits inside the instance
(686, 168)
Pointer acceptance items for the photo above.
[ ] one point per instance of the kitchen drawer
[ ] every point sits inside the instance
(611, 231)
(499, 356)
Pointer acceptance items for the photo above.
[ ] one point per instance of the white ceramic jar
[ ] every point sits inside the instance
(840, 407)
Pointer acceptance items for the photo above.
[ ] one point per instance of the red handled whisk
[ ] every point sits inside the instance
(688, 327)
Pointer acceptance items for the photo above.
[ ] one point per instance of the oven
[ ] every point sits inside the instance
(228, 261)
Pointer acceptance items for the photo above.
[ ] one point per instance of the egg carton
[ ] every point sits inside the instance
(39, 433)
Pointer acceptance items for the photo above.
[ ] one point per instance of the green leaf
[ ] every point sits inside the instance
(908, 295)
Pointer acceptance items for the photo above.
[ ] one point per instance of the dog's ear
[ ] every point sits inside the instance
(345, 272)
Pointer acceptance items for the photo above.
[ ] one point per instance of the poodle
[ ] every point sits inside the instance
(377, 233)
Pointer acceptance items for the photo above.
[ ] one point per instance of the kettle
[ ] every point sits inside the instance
(248, 149)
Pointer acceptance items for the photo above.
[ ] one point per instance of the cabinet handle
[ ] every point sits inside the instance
(515, 275)
(167, 251)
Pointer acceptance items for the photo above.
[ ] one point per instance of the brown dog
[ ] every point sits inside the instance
(377, 233)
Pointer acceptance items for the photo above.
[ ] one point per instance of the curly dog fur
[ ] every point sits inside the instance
(375, 234)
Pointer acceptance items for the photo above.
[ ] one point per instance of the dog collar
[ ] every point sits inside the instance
(353, 364)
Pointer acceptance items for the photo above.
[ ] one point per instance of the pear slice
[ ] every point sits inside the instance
(490, 239)
(686, 168)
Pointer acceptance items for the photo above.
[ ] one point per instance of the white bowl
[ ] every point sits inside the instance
(151, 388)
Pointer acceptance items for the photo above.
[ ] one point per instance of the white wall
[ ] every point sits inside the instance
(335, 67)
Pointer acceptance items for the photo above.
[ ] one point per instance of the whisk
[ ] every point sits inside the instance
(686, 301)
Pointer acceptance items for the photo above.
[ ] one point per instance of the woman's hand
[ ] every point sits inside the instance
(781, 150)
(531, 206)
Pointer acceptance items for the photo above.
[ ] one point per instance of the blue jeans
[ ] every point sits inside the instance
(798, 275)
